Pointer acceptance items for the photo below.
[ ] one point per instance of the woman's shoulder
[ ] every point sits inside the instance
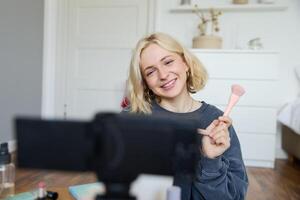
(211, 110)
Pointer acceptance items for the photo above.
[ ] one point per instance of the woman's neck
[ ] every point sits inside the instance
(180, 104)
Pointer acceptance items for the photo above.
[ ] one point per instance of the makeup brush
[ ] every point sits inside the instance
(236, 92)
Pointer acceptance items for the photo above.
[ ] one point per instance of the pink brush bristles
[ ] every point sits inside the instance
(236, 92)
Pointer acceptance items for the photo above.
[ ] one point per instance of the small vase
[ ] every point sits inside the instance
(239, 1)
(185, 2)
(207, 42)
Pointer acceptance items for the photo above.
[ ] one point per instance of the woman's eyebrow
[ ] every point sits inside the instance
(165, 57)
(147, 68)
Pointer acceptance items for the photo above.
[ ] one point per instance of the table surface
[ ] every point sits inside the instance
(27, 180)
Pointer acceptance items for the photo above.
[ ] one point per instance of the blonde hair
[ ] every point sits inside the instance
(137, 89)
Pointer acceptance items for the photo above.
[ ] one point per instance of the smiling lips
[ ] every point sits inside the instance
(169, 85)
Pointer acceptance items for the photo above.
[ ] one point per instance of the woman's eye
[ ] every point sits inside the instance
(150, 72)
(169, 62)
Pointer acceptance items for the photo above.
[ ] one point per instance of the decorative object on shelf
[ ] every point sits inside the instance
(185, 2)
(207, 42)
(203, 40)
(240, 1)
(255, 44)
(266, 1)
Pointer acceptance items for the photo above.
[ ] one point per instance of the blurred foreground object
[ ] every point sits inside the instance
(118, 147)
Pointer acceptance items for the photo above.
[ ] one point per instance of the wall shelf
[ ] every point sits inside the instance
(234, 51)
(233, 7)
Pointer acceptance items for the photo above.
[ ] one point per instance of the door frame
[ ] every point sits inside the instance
(55, 35)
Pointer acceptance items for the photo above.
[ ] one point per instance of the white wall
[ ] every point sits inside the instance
(278, 30)
(21, 45)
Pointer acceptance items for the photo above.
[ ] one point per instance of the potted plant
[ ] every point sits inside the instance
(205, 40)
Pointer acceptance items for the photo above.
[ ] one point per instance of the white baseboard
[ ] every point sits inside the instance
(12, 145)
(259, 163)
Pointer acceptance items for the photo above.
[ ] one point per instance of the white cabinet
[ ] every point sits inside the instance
(254, 117)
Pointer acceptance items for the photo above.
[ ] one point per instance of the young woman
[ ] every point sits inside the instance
(162, 76)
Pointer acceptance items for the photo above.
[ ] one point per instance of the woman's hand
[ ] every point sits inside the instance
(216, 139)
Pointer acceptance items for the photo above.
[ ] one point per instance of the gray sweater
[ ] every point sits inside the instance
(221, 178)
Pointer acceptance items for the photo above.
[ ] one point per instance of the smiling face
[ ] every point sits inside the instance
(164, 72)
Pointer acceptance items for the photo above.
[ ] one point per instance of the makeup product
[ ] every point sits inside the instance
(236, 92)
(51, 195)
(7, 173)
(41, 191)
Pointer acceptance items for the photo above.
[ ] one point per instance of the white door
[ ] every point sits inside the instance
(101, 35)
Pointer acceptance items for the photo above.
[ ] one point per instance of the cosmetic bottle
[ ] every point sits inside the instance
(7, 173)
(42, 194)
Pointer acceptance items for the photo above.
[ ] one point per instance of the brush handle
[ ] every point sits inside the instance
(232, 101)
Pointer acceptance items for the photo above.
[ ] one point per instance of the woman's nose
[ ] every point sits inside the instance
(163, 73)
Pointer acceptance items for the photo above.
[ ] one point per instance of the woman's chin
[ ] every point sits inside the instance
(169, 94)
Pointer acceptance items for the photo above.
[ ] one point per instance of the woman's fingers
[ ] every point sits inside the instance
(202, 131)
(220, 138)
(208, 130)
(223, 141)
(220, 134)
(225, 119)
(212, 125)
(220, 127)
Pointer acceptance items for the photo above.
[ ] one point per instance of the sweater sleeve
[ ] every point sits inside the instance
(224, 177)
